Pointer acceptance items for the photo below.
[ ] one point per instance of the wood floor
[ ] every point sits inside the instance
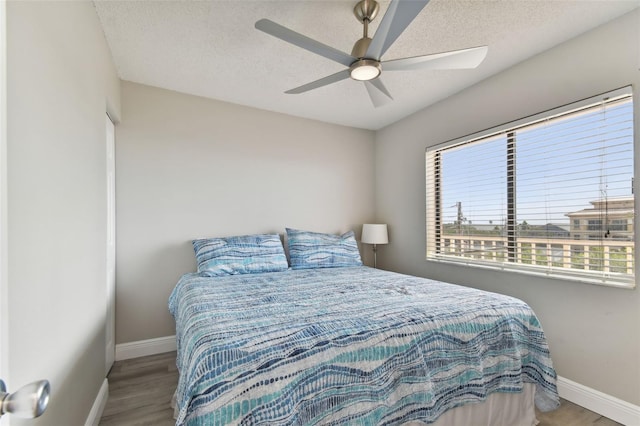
(140, 392)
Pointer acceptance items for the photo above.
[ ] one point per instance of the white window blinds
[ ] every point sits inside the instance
(551, 194)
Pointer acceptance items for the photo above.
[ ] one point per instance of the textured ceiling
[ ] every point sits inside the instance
(211, 49)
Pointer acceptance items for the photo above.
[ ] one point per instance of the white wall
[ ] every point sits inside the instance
(61, 81)
(191, 167)
(593, 331)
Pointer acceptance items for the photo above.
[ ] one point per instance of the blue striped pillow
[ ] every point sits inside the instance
(247, 254)
(316, 250)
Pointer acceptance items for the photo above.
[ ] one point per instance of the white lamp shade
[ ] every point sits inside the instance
(373, 233)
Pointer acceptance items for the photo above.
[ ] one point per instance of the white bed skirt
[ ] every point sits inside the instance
(500, 409)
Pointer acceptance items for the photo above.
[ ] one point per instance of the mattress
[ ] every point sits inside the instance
(351, 345)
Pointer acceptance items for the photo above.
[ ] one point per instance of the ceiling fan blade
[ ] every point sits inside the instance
(397, 18)
(378, 92)
(455, 59)
(304, 42)
(333, 78)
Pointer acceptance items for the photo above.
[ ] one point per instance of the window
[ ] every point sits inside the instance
(618, 225)
(518, 197)
(594, 225)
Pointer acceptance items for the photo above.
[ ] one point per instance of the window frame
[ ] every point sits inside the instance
(434, 235)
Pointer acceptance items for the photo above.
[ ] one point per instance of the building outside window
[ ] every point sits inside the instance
(609, 218)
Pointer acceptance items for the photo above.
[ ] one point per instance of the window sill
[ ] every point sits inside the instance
(623, 282)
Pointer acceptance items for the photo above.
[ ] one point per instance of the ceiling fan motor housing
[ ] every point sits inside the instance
(360, 47)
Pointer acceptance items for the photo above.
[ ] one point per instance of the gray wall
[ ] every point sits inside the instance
(191, 167)
(60, 81)
(592, 330)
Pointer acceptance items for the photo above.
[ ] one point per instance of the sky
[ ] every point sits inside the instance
(561, 165)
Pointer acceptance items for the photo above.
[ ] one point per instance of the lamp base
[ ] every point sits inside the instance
(375, 256)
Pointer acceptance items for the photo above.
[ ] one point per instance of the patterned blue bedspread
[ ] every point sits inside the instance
(348, 346)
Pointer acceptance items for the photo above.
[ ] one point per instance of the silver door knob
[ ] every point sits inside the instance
(29, 401)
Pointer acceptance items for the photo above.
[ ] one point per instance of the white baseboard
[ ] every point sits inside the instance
(140, 348)
(598, 402)
(93, 419)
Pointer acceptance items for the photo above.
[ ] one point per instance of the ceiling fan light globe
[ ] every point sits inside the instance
(365, 70)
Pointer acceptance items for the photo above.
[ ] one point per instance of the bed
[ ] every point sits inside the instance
(354, 345)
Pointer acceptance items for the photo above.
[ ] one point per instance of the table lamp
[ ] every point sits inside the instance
(375, 233)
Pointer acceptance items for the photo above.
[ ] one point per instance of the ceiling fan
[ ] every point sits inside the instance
(365, 61)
